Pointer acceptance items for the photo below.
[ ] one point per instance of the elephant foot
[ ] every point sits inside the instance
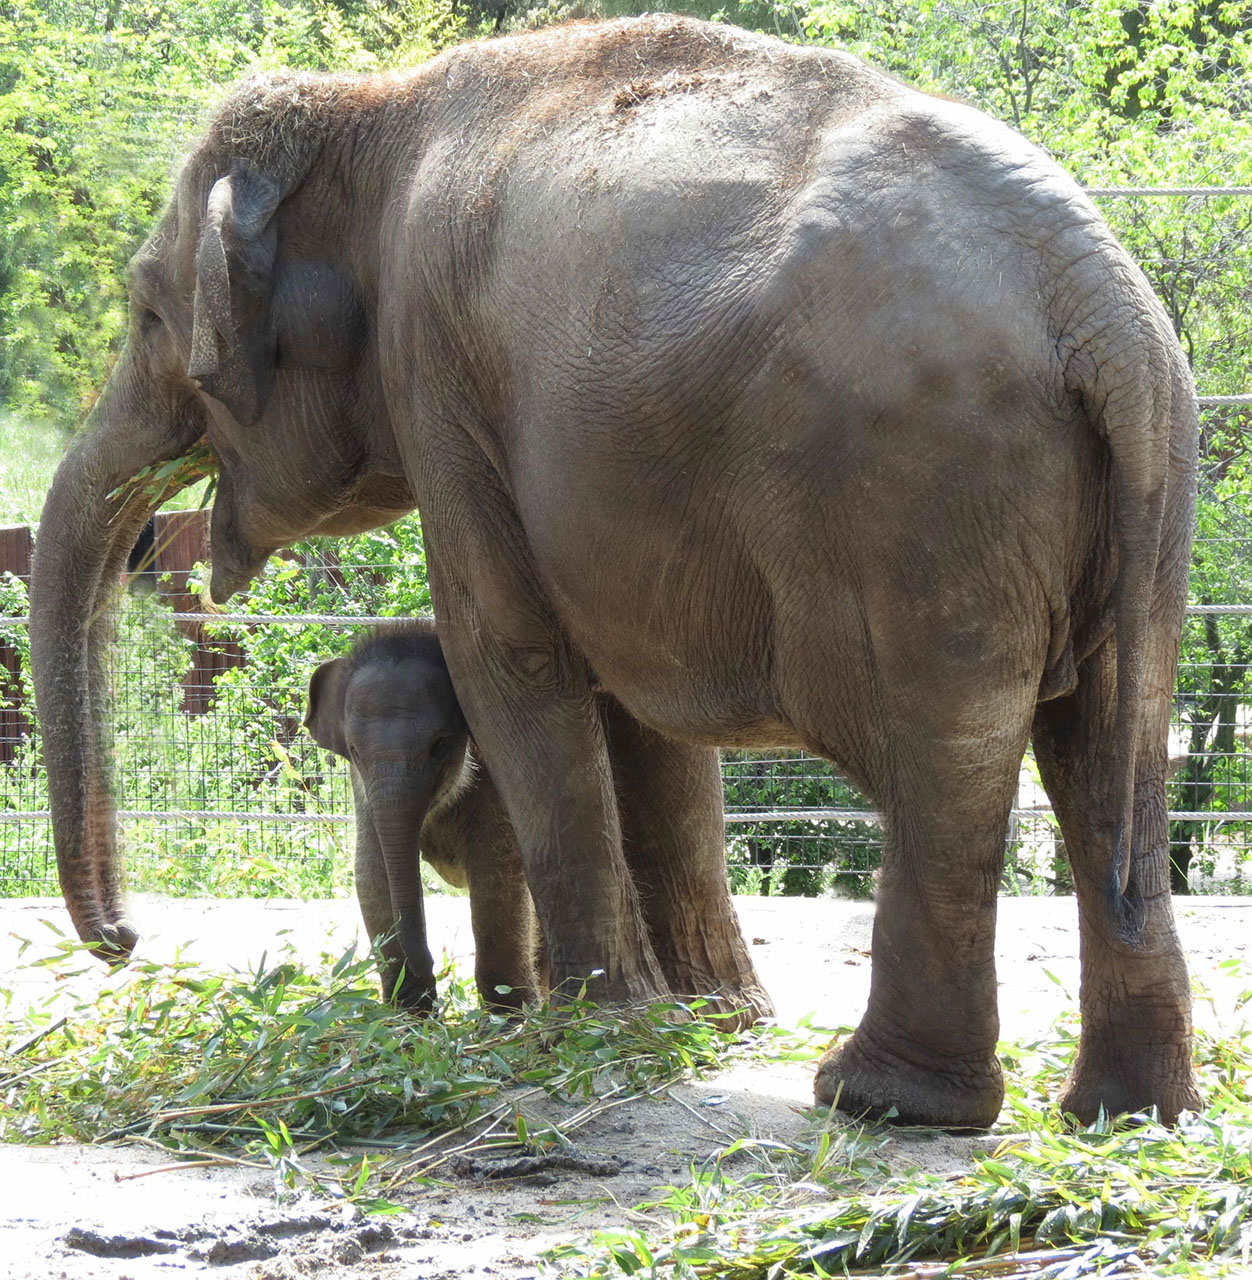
(601, 987)
(1125, 1083)
(511, 1000)
(714, 966)
(114, 943)
(736, 1008)
(414, 995)
(865, 1080)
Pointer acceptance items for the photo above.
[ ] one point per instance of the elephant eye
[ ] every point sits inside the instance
(148, 321)
(440, 747)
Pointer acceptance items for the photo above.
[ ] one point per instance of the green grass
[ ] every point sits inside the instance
(1052, 1199)
(266, 1068)
(230, 859)
(1049, 1202)
(29, 453)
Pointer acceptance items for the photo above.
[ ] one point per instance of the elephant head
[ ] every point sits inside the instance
(389, 709)
(250, 327)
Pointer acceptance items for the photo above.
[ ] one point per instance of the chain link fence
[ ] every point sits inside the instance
(222, 793)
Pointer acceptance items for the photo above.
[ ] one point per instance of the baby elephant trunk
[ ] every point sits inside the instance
(399, 811)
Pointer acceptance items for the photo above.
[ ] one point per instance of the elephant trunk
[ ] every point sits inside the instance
(83, 539)
(398, 811)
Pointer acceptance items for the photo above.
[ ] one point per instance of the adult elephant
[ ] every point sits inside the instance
(789, 405)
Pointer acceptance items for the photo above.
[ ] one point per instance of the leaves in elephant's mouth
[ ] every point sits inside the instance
(162, 480)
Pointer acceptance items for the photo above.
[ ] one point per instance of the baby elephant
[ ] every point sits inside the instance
(390, 710)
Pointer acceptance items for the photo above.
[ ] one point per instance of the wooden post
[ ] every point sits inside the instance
(16, 544)
(181, 539)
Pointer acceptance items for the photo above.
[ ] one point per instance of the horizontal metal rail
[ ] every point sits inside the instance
(347, 620)
(269, 619)
(735, 817)
(301, 619)
(188, 815)
(1206, 192)
(871, 815)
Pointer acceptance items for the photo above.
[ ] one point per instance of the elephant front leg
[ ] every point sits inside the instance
(673, 834)
(527, 698)
(507, 938)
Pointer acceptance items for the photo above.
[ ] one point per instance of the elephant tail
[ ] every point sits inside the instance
(1124, 373)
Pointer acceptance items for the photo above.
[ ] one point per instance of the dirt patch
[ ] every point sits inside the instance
(77, 1212)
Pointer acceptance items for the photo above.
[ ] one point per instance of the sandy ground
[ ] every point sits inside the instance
(107, 1213)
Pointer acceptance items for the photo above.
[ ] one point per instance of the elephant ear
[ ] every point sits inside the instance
(324, 719)
(232, 350)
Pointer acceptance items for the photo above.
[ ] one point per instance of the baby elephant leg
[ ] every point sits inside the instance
(472, 832)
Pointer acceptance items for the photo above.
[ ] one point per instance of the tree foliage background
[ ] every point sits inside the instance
(99, 99)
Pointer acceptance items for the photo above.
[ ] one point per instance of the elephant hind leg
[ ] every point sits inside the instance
(1135, 1049)
(925, 1050)
(674, 840)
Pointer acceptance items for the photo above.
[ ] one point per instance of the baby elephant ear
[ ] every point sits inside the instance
(231, 349)
(324, 719)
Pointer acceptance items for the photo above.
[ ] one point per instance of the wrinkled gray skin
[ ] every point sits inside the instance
(389, 709)
(800, 408)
